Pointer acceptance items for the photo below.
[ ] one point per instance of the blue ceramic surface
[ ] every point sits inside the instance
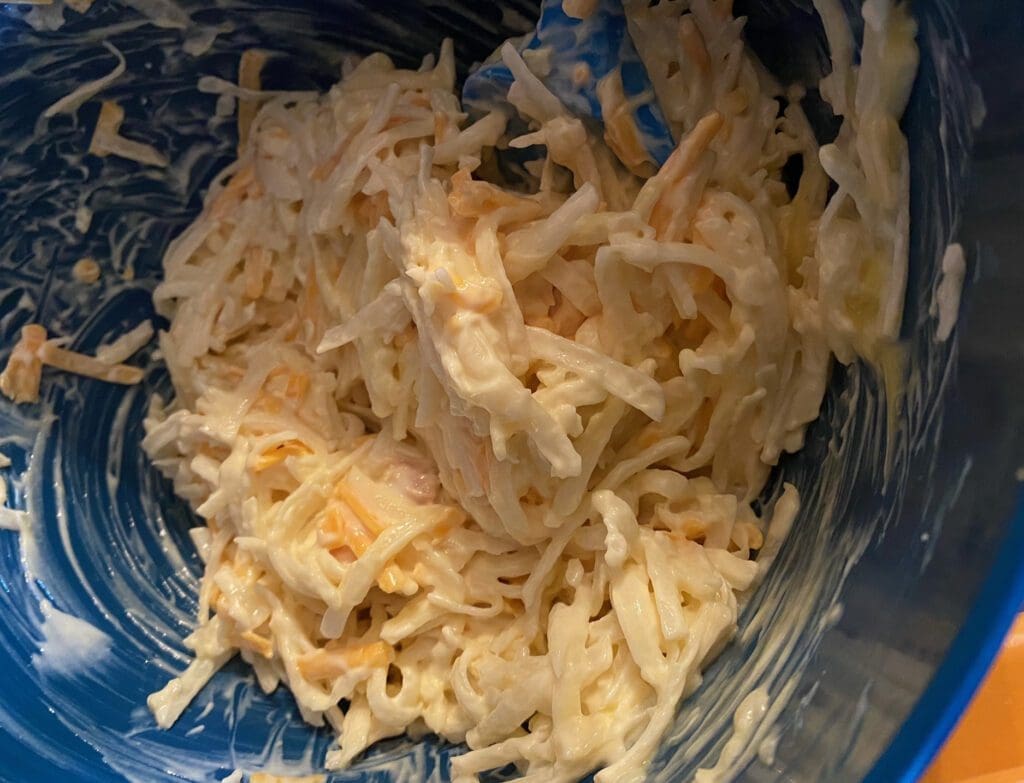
(879, 617)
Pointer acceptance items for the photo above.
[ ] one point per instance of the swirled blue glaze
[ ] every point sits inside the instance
(98, 590)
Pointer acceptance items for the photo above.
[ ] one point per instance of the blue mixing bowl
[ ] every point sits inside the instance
(884, 607)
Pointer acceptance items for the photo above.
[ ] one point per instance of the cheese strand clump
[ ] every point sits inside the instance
(477, 456)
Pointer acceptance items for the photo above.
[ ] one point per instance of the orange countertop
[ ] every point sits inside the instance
(987, 745)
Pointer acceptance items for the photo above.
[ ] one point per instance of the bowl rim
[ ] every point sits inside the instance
(965, 665)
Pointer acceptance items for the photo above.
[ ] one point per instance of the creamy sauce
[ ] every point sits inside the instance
(946, 303)
(746, 722)
(69, 643)
(766, 750)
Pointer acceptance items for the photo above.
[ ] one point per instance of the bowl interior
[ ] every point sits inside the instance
(899, 527)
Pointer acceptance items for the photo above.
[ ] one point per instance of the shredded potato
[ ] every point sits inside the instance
(481, 459)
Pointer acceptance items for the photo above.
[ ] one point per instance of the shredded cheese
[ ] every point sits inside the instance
(23, 372)
(481, 460)
(80, 364)
(21, 377)
(86, 270)
(127, 345)
(106, 139)
(249, 67)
